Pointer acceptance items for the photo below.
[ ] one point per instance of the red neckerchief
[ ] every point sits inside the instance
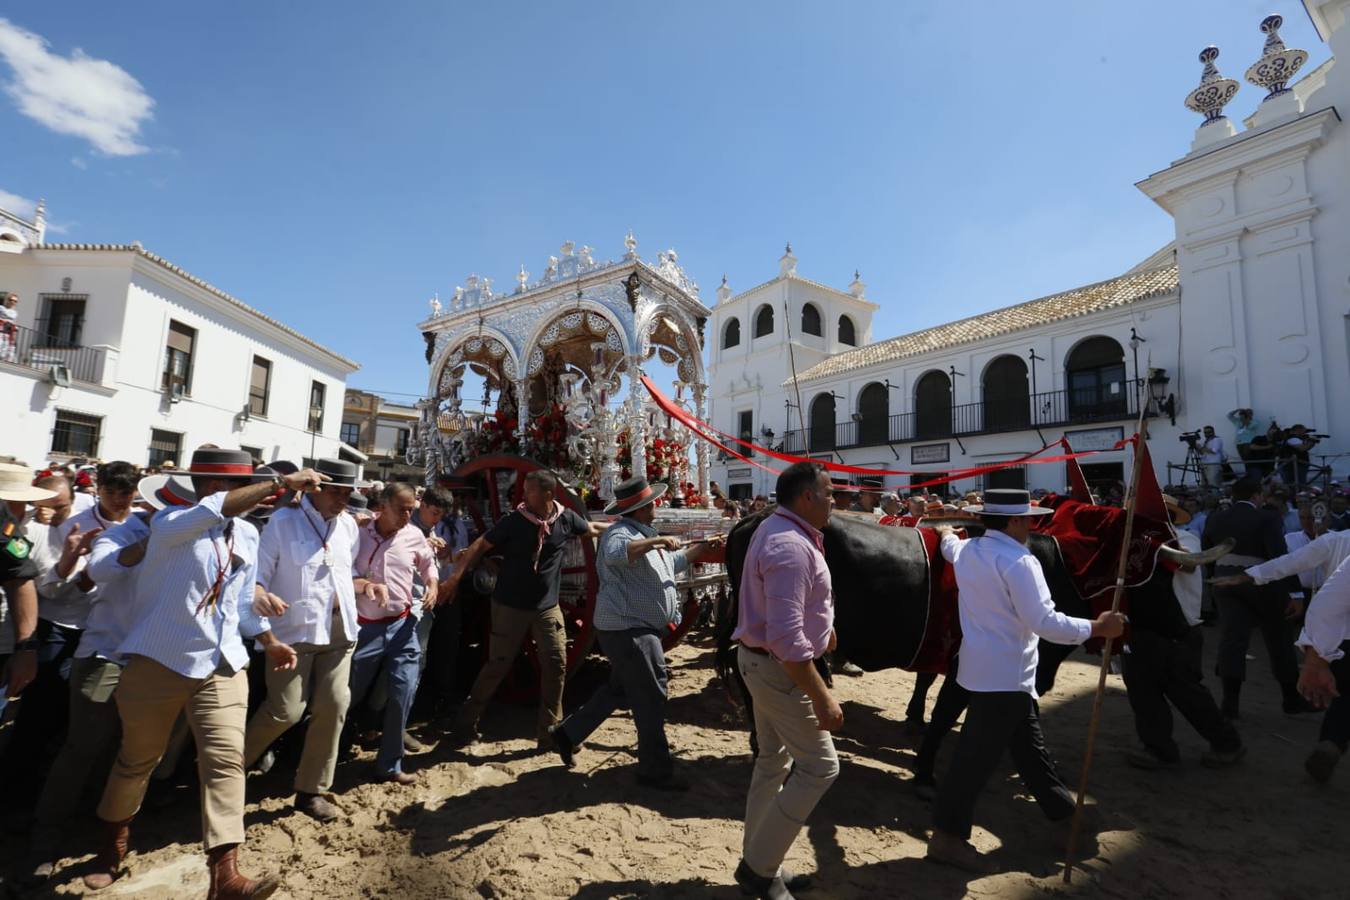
(211, 598)
(545, 527)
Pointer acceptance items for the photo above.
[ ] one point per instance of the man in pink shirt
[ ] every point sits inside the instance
(785, 623)
(391, 549)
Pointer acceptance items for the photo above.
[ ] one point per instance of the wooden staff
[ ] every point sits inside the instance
(1131, 500)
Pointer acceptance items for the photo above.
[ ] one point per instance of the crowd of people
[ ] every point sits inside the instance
(212, 608)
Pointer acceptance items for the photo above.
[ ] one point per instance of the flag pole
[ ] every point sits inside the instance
(1131, 501)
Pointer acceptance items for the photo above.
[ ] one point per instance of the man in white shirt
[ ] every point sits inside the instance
(1211, 458)
(1321, 555)
(1325, 679)
(1005, 608)
(1308, 531)
(304, 589)
(1162, 665)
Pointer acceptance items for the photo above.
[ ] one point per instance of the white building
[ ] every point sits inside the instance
(1248, 306)
(120, 354)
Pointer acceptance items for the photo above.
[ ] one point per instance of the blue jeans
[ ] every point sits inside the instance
(390, 647)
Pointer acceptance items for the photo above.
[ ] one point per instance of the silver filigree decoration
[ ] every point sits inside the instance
(536, 361)
(509, 368)
(550, 335)
(668, 356)
(495, 348)
(686, 368)
(1214, 91)
(597, 324)
(571, 321)
(613, 341)
(681, 343)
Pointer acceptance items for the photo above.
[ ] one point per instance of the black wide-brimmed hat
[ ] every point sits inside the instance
(1008, 502)
(340, 472)
(634, 494)
(357, 503)
(217, 463)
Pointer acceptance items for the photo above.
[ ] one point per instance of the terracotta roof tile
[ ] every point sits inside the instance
(204, 285)
(1104, 295)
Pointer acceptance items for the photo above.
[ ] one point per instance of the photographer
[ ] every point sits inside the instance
(1294, 449)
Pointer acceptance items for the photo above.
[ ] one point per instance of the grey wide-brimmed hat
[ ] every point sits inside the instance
(162, 491)
(633, 494)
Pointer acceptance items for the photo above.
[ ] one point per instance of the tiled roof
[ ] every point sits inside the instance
(1092, 298)
(204, 285)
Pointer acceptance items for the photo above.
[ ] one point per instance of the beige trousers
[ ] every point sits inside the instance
(789, 739)
(509, 628)
(320, 678)
(149, 699)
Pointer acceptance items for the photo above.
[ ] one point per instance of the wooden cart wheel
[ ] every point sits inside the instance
(500, 483)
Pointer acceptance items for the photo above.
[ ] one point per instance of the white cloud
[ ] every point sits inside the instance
(20, 206)
(78, 162)
(77, 94)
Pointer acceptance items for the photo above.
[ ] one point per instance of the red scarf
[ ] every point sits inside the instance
(545, 527)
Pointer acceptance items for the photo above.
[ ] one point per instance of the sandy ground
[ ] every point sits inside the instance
(506, 822)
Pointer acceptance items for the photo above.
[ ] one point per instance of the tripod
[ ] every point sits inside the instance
(1191, 465)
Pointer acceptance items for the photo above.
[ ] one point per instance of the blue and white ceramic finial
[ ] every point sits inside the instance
(1213, 92)
(1277, 64)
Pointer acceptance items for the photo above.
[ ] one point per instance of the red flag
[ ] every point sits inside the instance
(1078, 486)
(1148, 496)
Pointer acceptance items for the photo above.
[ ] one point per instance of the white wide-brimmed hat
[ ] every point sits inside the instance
(1008, 502)
(16, 483)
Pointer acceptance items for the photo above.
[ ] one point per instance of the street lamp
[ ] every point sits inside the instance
(1157, 388)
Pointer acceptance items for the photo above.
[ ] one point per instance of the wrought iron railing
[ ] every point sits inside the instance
(37, 350)
(1050, 408)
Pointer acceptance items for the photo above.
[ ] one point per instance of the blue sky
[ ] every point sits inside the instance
(335, 164)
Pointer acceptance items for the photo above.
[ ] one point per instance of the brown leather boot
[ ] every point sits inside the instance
(108, 863)
(228, 884)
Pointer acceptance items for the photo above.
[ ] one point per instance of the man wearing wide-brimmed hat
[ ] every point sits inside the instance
(1005, 609)
(637, 605)
(185, 653)
(304, 588)
(111, 566)
(17, 572)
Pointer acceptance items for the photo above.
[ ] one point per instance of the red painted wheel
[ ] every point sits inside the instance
(500, 483)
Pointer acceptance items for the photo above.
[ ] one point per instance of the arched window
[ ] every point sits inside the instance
(731, 334)
(822, 423)
(1007, 395)
(764, 321)
(847, 334)
(811, 320)
(1095, 374)
(933, 406)
(874, 407)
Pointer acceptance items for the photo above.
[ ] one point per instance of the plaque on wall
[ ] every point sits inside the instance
(930, 453)
(1094, 438)
(739, 473)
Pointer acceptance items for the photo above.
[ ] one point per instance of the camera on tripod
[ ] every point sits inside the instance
(1189, 438)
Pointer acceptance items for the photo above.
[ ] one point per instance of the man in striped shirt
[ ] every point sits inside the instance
(186, 654)
(637, 605)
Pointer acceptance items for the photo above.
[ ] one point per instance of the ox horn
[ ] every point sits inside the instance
(1204, 558)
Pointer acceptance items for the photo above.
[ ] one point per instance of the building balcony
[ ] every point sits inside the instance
(1045, 410)
(51, 356)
